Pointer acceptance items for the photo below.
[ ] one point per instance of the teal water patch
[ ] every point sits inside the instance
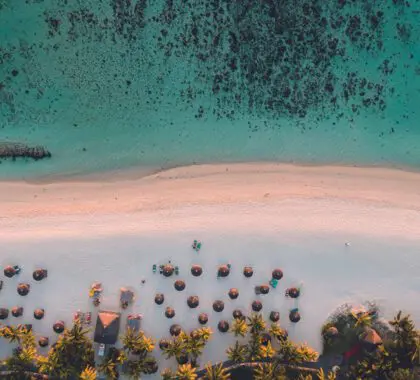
(119, 83)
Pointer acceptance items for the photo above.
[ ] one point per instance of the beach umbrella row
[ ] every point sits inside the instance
(17, 311)
(38, 274)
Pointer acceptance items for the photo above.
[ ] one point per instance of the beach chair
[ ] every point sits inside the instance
(1, 284)
(154, 268)
(273, 282)
(177, 270)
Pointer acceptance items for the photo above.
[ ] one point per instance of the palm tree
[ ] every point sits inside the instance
(167, 374)
(322, 376)
(204, 332)
(269, 371)
(195, 348)
(267, 351)
(130, 340)
(237, 353)
(256, 323)
(362, 320)
(89, 373)
(239, 327)
(109, 368)
(216, 372)
(289, 353)
(307, 353)
(11, 333)
(175, 348)
(186, 372)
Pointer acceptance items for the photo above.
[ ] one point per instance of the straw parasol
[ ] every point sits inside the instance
(274, 316)
(4, 313)
(264, 289)
(223, 326)
(233, 293)
(257, 306)
(175, 330)
(169, 312)
(218, 306)
(163, 343)
(23, 289)
(168, 270)
(294, 316)
(248, 272)
(193, 302)
(203, 318)
(43, 341)
(293, 292)
(223, 271)
(39, 274)
(179, 285)
(58, 327)
(159, 298)
(39, 313)
(237, 314)
(17, 311)
(277, 274)
(196, 270)
(9, 271)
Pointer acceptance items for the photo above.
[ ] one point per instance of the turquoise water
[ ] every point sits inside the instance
(119, 83)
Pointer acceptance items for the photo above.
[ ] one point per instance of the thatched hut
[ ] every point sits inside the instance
(294, 316)
(370, 338)
(58, 327)
(262, 289)
(293, 292)
(237, 314)
(196, 270)
(163, 344)
(218, 306)
(9, 271)
(233, 293)
(126, 297)
(39, 313)
(4, 313)
(169, 312)
(168, 270)
(179, 285)
(248, 272)
(175, 330)
(274, 316)
(17, 311)
(203, 318)
(39, 274)
(23, 289)
(257, 306)
(277, 274)
(223, 271)
(43, 341)
(193, 302)
(223, 326)
(159, 299)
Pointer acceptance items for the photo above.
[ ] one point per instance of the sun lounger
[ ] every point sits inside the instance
(154, 268)
(177, 271)
(1, 284)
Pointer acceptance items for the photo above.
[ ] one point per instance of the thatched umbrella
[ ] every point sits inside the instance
(163, 343)
(175, 330)
(43, 341)
(223, 271)
(233, 293)
(293, 292)
(203, 318)
(23, 289)
(264, 289)
(294, 316)
(331, 332)
(223, 326)
(39, 274)
(4, 313)
(179, 285)
(196, 270)
(277, 274)
(218, 306)
(17, 311)
(248, 272)
(274, 316)
(193, 301)
(168, 270)
(39, 313)
(58, 327)
(9, 271)
(169, 312)
(265, 339)
(159, 298)
(237, 314)
(257, 306)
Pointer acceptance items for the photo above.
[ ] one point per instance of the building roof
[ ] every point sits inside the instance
(107, 327)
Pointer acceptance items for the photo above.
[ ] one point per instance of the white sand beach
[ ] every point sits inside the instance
(114, 228)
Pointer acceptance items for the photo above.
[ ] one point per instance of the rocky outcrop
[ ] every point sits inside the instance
(14, 150)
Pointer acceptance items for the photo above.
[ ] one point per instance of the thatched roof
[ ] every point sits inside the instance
(248, 271)
(17, 311)
(274, 316)
(39, 274)
(163, 343)
(196, 270)
(168, 270)
(175, 330)
(223, 326)
(107, 327)
(179, 285)
(277, 274)
(39, 313)
(43, 341)
(293, 292)
(223, 271)
(23, 289)
(233, 293)
(169, 312)
(264, 289)
(4, 313)
(58, 327)
(257, 305)
(294, 316)
(193, 301)
(370, 336)
(218, 306)
(159, 298)
(237, 314)
(203, 318)
(9, 271)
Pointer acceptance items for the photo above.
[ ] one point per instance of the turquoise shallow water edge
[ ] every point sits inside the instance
(108, 85)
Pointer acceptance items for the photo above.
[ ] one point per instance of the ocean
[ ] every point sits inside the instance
(116, 84)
